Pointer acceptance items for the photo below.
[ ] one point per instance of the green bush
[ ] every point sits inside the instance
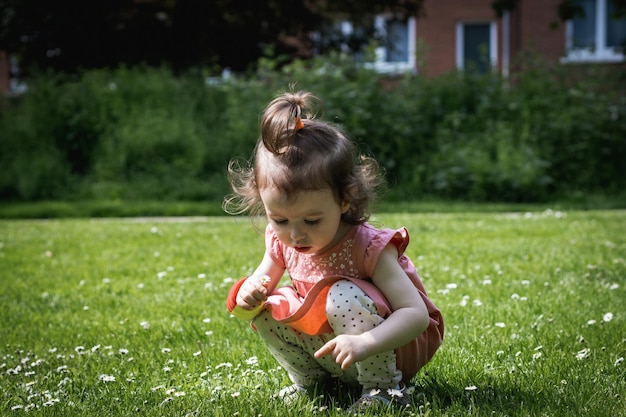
(145, 133)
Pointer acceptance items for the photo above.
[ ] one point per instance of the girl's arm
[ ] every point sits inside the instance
(408, 320)
(410, 314)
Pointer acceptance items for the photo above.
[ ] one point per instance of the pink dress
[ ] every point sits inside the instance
(302, 306)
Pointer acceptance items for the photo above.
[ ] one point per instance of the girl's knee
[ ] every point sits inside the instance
(346, 298)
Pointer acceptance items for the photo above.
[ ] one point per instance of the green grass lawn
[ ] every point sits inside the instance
(126, 317)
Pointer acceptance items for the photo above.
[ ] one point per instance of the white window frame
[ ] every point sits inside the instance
(395, 67)
(380, 63)
(493, 42)
(601, 53)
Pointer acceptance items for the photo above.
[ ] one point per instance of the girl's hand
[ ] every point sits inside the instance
(346, 349)
(253, 292)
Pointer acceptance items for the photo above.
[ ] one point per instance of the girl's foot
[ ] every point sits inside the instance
(292, 394)
(381, 398)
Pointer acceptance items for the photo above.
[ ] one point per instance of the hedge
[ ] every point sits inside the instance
(145, 133)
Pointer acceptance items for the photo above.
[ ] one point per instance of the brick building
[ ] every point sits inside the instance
(456, 34)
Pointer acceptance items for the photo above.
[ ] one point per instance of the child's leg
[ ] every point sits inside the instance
(294, 352)
(351, 311)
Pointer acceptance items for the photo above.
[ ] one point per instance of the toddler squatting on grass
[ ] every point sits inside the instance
(357, 311)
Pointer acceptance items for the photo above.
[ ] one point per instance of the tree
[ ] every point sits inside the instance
(67, 35)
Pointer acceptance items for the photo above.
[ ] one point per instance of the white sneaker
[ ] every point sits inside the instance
(292, 394)
(381, 398)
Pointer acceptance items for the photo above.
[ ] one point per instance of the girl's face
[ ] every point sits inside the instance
(309, 222)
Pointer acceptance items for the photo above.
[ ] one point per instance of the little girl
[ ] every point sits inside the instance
(356, 310)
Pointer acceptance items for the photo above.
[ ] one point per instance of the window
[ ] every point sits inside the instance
(596, 34)
(476, 48)
(395, 42)
(396, 50)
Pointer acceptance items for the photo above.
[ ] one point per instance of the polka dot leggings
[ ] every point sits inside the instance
(349, 311)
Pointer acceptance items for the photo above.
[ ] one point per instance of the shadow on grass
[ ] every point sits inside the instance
(490, 399)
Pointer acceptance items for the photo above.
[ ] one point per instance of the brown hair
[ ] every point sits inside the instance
(293, 156)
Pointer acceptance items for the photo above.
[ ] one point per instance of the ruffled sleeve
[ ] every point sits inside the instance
(273, 247)
(377, 240)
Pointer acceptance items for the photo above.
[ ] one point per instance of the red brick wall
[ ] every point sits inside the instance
(4, 71)
(538, 29)
(436, 28)
(534, 26)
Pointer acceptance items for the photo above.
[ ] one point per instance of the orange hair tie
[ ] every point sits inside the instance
(298, 123)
